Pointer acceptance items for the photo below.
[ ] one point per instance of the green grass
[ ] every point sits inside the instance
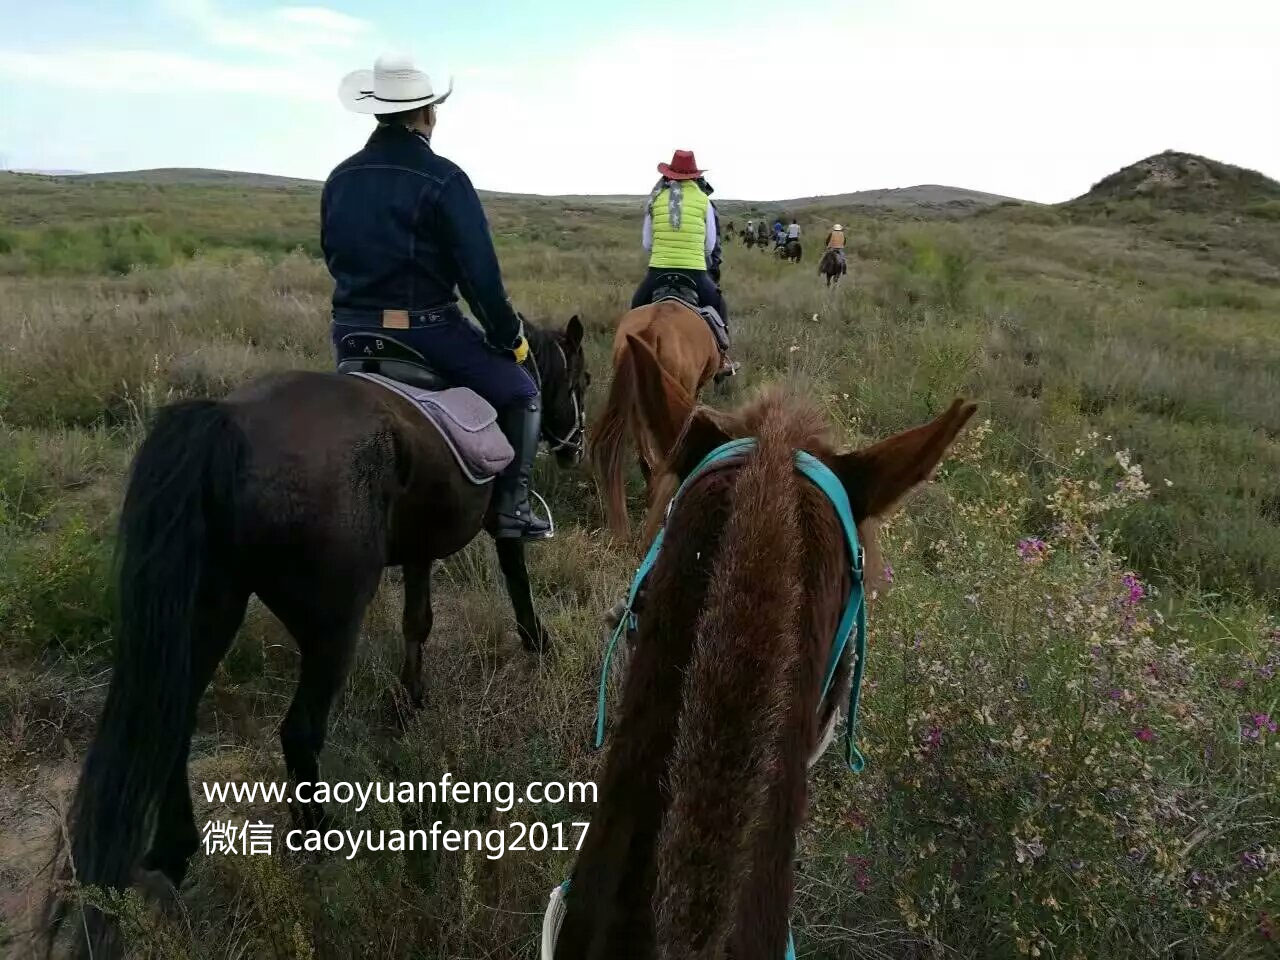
(1010, 807)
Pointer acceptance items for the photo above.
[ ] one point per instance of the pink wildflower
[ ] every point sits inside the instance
(1145, 734)
(1032, 549)
(1135, 588)
(932, 737)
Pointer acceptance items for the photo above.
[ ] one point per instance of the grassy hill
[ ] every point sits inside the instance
(1184, 181)
(1073, 671)
(195, 176)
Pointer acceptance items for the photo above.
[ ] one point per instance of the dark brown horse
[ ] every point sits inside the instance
(790, 251)
(300, 488)
(691, 850)
(832, 267)
(663, 353)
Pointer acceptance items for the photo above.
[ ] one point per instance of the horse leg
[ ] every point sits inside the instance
(326, 634)
(218, 615)
(417, 627)
(516, 573)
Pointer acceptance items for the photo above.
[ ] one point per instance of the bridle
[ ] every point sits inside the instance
(576, 441)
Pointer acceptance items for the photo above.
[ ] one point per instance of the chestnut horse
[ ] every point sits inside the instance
(299, 487)
(663, 354)
(691, 850)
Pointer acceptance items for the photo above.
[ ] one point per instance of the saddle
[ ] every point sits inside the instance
(677, 287)
(465, 421)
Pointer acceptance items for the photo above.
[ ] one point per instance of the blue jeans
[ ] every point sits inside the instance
(458, 352)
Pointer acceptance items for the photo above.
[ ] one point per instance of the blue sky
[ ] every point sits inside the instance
(778, 99)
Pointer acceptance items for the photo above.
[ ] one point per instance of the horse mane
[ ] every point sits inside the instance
(724, 862)
(690, 853)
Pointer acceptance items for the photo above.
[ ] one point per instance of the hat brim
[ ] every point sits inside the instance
(356, 93)
(666, 171)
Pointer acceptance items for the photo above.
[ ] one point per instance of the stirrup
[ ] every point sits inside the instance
(524, 534)
(546, 510)
(724, 373)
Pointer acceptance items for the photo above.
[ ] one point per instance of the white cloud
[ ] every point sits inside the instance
(155, 72)
(290, 30)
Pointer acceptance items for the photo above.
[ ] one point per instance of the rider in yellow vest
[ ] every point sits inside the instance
(835, 241)
(681, 238)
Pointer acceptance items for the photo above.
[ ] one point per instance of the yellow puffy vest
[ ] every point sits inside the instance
(837, 240)
(683, 249)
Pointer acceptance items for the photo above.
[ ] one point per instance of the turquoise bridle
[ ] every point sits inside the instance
(853, 621)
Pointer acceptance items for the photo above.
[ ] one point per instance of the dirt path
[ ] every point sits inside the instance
(30, 805)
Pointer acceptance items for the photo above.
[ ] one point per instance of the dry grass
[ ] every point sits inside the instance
(1060, 329)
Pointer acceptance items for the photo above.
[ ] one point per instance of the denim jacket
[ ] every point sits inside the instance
(401, 227)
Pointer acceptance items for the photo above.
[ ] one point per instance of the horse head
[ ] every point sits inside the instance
(562, 369)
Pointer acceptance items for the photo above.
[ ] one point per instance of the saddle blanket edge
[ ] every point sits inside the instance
(466, 422)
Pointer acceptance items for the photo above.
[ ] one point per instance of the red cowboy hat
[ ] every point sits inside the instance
(682, 167)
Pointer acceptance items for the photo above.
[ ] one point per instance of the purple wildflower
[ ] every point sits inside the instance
(1135, 588)
(1252, 860)
(1145, 734)
(1115, 693)
(888, 573)
(1254, 725)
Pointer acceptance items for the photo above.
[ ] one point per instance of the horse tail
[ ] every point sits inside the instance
(182, 489)
(609, 437)
(735, 800)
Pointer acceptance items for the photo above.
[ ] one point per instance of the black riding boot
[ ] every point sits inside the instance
(513, 516)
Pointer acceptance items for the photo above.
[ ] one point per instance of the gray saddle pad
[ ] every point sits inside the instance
(468, 424)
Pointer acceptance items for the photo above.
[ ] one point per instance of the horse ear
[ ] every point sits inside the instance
(574, 332)
(704, 430)
(879, 476)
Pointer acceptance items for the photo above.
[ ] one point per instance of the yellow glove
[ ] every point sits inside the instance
(521, 351)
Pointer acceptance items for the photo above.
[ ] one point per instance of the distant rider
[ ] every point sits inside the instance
(835, 243)
(793, 231)
(402, 230)
(681, 238)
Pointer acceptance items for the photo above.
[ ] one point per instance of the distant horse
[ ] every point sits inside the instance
(299, 487)
(790, 251)
(748, 239)
(691, 851)
(663, 354)
(832, 267)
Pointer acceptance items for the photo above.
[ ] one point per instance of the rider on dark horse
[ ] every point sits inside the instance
(403, 231)
(681, 238)
(835, 243)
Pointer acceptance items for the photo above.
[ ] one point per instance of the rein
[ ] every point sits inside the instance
(853, 621)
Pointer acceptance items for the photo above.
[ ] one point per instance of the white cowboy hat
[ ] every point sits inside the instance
(394, 84)
(837, 227)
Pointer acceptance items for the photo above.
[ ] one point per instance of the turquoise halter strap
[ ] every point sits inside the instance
(853, 622)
